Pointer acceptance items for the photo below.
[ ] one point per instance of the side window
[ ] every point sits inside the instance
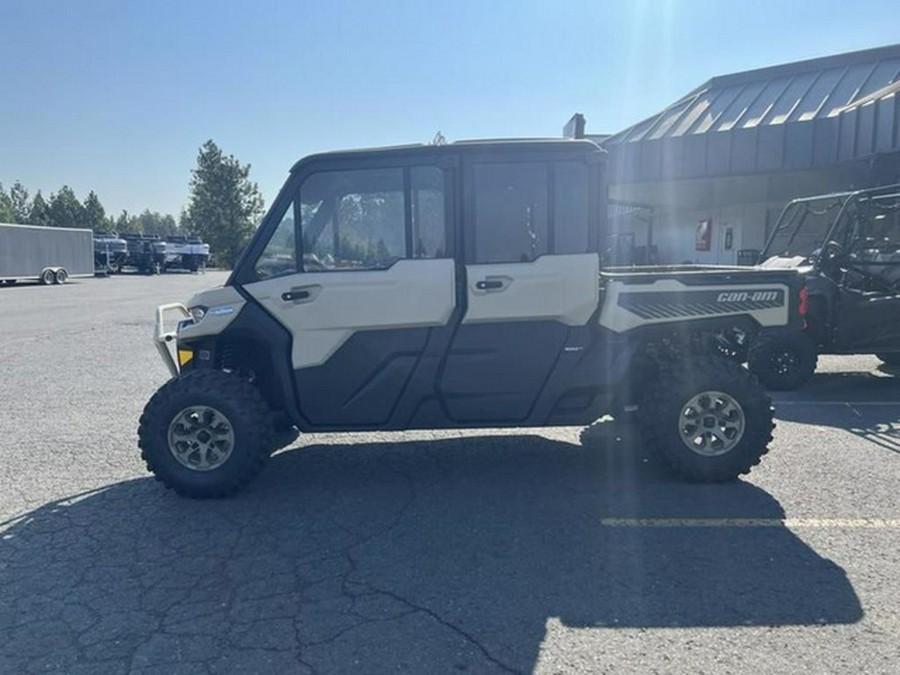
(511, 212)
(367, 219)
(571, 204)
(429, 232)
(280, 255)
(353, 220)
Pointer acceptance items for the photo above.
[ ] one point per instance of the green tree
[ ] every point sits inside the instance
(124, 223)
(65, 209)
(18, 197)
(40, 211)
(6, 210)
(225, 204)
(94, 213)
(151, 222)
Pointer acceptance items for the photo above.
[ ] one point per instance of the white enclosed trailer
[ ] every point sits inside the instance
(48, 254)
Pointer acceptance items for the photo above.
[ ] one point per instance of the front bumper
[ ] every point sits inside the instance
(165, 341)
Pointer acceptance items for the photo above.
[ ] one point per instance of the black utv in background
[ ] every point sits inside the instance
(847, 248)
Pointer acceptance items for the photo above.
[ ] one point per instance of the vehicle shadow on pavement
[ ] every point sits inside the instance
(413, 556)
(864, 404)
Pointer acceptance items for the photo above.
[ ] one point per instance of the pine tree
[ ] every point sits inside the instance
(40, 211)
(65, 209)
(224, 205)
(18, 197)
(6, 210)
(94, 213)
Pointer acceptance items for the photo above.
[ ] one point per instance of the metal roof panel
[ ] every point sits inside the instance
(787, 97)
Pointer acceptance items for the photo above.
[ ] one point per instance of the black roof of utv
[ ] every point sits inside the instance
(488, 147)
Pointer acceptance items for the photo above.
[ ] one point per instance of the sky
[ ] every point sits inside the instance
(117, 96)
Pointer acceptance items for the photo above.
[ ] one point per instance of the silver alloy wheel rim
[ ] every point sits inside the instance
(711, 423)
(201, 438)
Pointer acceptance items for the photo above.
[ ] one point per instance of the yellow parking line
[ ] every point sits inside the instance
(859, 523)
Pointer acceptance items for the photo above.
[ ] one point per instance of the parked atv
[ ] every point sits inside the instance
(455, 286)
(847, 247)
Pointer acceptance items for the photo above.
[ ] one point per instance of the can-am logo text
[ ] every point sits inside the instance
(745, 296)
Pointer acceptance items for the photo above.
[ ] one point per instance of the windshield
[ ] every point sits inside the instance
(872, 225)
(863, 225)
(802, 227)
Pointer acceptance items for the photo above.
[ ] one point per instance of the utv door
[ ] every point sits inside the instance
(360, 270)
(867, 320)
(530, 278)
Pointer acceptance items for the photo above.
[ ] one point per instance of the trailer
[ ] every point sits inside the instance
(49, 254)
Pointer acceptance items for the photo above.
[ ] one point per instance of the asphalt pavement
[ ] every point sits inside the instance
(443, 552)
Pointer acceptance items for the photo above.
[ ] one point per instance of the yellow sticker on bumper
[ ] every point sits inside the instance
(184, 355)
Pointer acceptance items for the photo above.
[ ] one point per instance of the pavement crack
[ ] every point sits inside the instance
(450, 626)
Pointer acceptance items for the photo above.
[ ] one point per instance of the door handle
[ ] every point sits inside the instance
(294, 295)
(488, 284)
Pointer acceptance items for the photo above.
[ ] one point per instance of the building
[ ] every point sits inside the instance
(708, 176)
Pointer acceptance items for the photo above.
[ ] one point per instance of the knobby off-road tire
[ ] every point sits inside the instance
(783, 362)
(206, 434)
(709, 419)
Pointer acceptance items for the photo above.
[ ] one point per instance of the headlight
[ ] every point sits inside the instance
(197, 313)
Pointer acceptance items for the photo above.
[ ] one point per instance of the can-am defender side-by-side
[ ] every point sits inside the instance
(455, 286)
(847, 247)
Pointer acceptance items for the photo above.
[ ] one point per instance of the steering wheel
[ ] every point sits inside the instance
(831, 252)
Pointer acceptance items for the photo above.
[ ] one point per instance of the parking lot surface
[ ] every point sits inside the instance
(509, 551)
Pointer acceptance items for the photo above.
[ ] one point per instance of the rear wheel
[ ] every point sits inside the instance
(47, 277)
(783, 362)
(709, 419)
(61, 276)
(206, 434)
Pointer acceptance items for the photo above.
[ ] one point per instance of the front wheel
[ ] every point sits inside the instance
(206, 434)
(709, 419)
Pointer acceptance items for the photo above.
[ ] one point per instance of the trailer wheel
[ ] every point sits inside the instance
(206, 434)
(709, 419)
(61, 276)
(47, 277)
